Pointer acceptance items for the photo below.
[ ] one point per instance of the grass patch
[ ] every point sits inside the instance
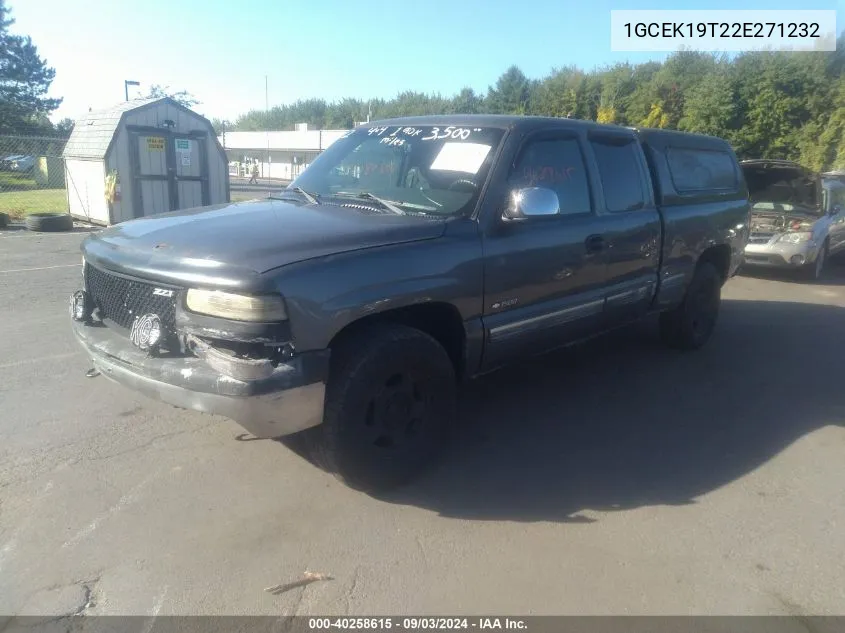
(12, 180)
(23, 202)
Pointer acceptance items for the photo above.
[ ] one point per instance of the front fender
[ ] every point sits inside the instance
(325, 295)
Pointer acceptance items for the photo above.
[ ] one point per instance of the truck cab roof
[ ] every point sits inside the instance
(652, 136)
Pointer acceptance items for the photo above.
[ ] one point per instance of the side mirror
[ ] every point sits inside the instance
(836, 209)
(532, 202)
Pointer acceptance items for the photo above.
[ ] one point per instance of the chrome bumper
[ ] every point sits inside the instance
(288, 401)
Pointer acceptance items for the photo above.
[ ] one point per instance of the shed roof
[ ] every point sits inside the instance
(93, 132)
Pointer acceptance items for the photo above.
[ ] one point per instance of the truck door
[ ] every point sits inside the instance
(631, 223)
(836, 209)
(544, 276)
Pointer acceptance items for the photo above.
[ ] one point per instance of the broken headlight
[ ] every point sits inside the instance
(798, 237)
(228, 305)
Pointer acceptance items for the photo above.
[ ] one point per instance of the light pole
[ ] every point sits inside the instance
(126, 84)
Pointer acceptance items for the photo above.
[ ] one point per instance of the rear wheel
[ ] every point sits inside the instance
(690, 325)
(390, 402)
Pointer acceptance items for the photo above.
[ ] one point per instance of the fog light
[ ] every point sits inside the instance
(798, 260)
(80, 306)
(146, 332)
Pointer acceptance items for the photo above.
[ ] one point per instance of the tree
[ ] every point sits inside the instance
(510, 95)
(25, 80)
(64, 127)
(220, 125)
(710, 106)
(182, 97)
(560, 93)
(465, 102)
(776, 105)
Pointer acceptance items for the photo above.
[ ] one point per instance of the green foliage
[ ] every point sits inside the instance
(182, 96)
(25, 79)
(510, 94)
(767, 104)
(220, 125)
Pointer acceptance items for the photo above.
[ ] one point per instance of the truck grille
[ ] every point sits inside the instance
(121, 299)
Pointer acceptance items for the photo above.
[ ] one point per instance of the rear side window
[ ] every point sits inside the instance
(556, 164)
(701, 170)
(619, 169)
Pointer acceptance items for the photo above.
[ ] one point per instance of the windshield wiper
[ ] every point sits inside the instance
(311, 197)
(387, 204)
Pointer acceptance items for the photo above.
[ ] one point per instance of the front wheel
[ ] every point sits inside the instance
(390, 401)
(690, 325)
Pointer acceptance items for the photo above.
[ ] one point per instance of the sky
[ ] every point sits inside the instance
(221, 51)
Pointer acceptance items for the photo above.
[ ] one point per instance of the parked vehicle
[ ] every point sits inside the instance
(411, 255)
(798, 216)
(6, 161)
(23, 164)
(17, 162)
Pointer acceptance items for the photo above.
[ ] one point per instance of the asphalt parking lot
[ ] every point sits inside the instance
(615, 478)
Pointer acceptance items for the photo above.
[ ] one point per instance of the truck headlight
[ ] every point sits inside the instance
(798, 237)
(237, 307)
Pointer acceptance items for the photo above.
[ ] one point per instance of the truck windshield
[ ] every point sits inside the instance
(418, 169)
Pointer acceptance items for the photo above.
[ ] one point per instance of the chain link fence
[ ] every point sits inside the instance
(32, 175)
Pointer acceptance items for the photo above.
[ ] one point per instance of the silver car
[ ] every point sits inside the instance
(797, 216)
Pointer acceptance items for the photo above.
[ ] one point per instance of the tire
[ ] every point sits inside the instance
(4, 220)
(370, 438)
(49, 222)
(690, 325)
(814, 271)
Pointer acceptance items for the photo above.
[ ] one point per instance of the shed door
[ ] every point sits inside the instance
(171, 170)
(191, 171)
(152, 173)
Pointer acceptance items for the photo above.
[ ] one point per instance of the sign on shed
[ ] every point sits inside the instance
(155, 144)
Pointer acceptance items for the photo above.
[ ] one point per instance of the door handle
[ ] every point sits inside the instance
(594, 243)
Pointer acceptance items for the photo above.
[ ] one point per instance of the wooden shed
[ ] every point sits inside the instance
(140, 158)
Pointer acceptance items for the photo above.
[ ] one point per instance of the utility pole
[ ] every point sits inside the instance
(126, 84)
(267, 122)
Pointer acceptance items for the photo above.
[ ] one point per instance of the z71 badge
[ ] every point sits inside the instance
(506, 303)
(162, 292)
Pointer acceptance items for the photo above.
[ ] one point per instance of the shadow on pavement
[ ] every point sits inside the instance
(621, 422)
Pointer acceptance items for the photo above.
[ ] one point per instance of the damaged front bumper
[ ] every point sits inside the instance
(267, 402)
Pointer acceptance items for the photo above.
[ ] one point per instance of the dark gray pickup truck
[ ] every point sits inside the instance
(411, 255)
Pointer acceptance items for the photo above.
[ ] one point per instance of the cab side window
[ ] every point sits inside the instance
(555, 164)
(619, 170)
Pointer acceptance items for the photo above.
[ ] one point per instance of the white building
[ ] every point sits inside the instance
(280, 155)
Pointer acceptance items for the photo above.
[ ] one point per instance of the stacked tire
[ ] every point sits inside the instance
(49, 222)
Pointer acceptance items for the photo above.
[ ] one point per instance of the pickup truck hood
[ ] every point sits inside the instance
(241, 240)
